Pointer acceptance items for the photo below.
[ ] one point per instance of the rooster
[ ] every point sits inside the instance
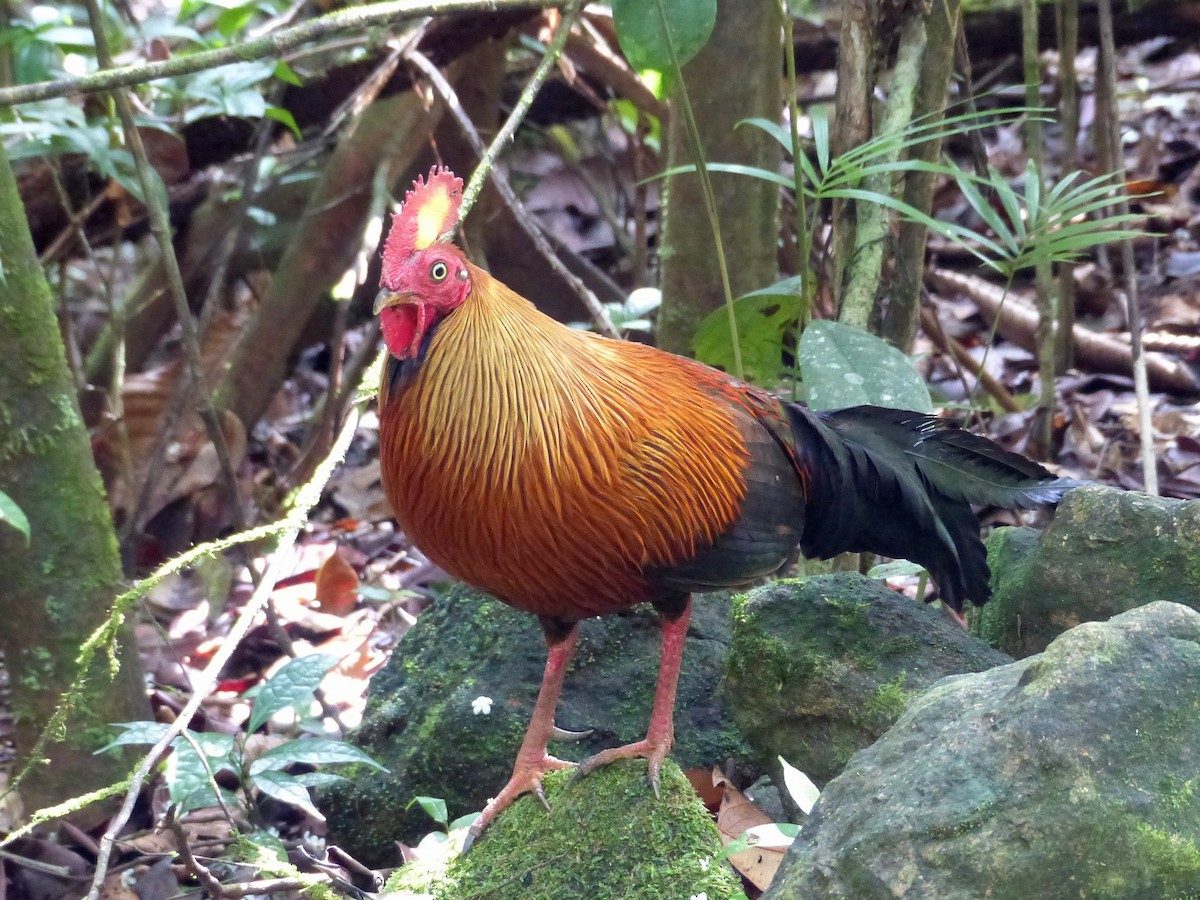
(572, 475)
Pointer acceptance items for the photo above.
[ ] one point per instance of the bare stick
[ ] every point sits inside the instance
(595, 308)
(517, 116)
(306, 499)
(160, 225)
(1108, 72)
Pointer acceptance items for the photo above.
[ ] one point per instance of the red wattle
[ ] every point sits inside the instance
(403, 327)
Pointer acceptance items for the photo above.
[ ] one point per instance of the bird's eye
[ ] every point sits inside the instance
(438, 271)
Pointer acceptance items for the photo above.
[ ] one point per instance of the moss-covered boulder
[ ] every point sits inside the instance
(1073, 773)
(606, 837)
(423, 721)
(1107, 551)
(820, 668)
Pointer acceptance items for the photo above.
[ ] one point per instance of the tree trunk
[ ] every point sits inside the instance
(937, 68)
(57, 586)
(746, 40)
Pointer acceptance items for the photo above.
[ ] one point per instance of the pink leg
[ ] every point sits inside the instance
(661, 733)
(532, 759)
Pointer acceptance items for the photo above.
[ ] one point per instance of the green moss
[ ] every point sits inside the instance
(1176, 796)
(889, 701)
(1173, 856)
(756, 649)
(606, 836)
(850, 614)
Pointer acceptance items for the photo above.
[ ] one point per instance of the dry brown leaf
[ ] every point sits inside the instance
(738, 814)
(337, 586)
(151, 842)
(705, 783)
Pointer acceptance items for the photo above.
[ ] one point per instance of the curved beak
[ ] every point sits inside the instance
(386, 298)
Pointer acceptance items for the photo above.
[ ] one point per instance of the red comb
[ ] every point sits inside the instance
(429, 210)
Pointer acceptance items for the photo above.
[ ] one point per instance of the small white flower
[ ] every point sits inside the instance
(700, 896)
(704, 863)
(481, 706)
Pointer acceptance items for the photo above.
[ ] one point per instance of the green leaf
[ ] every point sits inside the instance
(186, 774)
(9, 511)
(311, 752)
(67, 36)
(463, 821)
(230, 22)
(286, 789)
(285, 118)
(292, 685)
(375, 592)
(800, 786)
(287, 74)
(319, 779)
(734, 169)
(435, 807)
(763, 320)
(136, 733)
(641, 36)
(845, 366)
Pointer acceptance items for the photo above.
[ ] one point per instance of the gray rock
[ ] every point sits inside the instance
(1073, 773)
(1107, 551)
(820, 668)
(420, 722)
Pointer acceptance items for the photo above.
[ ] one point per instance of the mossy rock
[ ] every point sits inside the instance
(820, 668)
(606, 837)
(421, 723)
(1073, 773)
(1106, 552)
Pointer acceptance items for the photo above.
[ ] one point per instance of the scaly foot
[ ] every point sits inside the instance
(651, 748)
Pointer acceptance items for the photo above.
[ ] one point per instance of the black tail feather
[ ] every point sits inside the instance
(902, 484)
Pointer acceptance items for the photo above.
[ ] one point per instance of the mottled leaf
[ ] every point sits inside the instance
(845, 366)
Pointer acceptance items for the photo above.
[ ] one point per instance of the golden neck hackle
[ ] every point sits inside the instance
(502, 383)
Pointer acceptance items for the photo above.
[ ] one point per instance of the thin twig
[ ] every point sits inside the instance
(964, 361)
(210, 883)
(306, 499)
(488, 161)
(36, 864)
(1108, 72)
(595, 308)
(181, 394)
(357, 18)
(77, 221)
(160, 225)
(191, 741)
(706, 188)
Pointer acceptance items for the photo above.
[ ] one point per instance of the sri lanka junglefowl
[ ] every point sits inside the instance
(572, 475)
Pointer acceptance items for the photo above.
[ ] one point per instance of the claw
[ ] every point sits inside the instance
(561, 734)
(526, 778)
(541, 795)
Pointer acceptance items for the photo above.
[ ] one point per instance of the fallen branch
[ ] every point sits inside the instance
(1016, 320)
(357, 18)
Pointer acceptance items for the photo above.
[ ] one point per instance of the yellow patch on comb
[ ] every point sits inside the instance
(433, 218)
